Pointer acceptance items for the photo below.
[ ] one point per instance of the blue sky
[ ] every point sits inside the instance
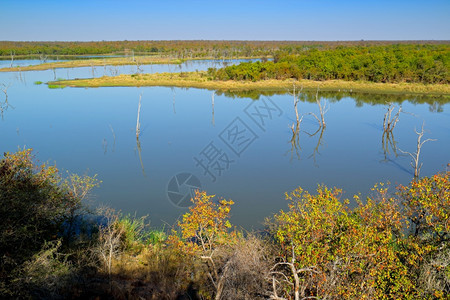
(332, 20)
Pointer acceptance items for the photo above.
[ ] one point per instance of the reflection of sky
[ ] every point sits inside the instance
(71, 127)
(225, 20)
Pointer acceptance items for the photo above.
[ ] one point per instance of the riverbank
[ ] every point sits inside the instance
(114, 61)
(201, 80)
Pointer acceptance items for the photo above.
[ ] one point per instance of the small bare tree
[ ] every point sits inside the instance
(109, 238)
(390, 121)
(295, 127)
(323, 109)
(138, 124)
(12, 58)
(138, 66)
(290, 275)
(4, 105)
(415, 156)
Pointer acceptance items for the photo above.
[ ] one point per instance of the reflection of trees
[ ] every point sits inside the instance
(389, 123)
(295, 127)
(359, 98)
(173, 100)
(138, 147)
(212, 111)
(138, 133)
(436, 107)
(321, 129)
(4, 105)
(388, 142)
(323, 109)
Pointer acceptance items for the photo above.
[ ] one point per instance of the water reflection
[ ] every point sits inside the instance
(4, 105)
(212, 109)
(389, 123)
(295, 127)
(139, 150)
(184, 125)
(388, 144)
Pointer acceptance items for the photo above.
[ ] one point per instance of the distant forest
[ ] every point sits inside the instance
(185, 49)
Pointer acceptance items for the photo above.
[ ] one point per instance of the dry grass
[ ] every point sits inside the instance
(200, 80)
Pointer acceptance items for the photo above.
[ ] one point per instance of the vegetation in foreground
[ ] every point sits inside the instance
(390, 246)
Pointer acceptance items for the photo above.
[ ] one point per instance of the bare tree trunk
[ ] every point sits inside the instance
(138, 124)
(388, 121)
(415, 156)
(12, 58)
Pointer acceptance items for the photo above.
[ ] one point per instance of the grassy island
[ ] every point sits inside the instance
(202, 80)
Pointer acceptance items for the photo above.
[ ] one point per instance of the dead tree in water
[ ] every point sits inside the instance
(415, 156)
(295, 127)
(12, 58)
(4, 105)
(323, 109)
(389, 123)
(138, 124)
(138, 132)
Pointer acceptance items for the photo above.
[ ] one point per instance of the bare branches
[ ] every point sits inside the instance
(295, 127)
(323, 109)
(415, 156)
(390, 121)
(298, 285)
(138, 124)
(109, 239)
(12, 58)
(4, 105)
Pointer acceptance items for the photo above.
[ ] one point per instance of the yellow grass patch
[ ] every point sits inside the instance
(200, 80)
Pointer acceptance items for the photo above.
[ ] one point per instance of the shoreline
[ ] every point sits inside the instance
(108, 61)
(103, 62)
(200, 80)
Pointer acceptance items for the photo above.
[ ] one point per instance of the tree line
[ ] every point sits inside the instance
(185, 49)
(387, 63)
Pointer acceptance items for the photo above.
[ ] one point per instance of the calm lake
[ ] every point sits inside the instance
(233, 146)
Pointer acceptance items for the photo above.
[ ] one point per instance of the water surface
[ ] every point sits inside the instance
(237, 147)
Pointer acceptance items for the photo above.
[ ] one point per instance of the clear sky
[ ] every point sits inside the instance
(87, 20)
